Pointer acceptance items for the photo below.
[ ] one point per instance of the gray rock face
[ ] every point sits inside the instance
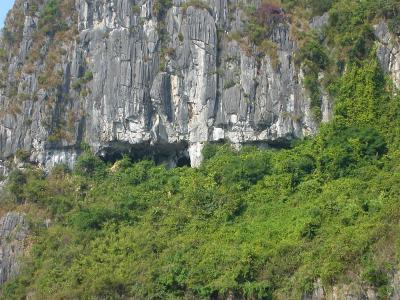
(354, 291)
(13, 232)
(164, 93)
(388, 52)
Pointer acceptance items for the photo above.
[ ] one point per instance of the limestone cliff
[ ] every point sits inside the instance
(137, 77)
(151, 77)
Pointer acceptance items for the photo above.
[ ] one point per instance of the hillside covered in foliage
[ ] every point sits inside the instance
(254, 223)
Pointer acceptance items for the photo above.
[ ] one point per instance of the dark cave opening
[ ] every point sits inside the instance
(183, 161)
(172, 155)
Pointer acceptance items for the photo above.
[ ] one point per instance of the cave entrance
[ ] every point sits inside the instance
(172, 155)
(183, 161)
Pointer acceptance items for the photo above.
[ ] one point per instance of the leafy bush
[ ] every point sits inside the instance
(136, 9)
(22, 154)
(314, 60)
(160, 7)
(262, 20)
(7, 36)
(49, 22)
(367, 142)
(3, 54)
(89, 165)
(317, 7)
(314, 53)
(16, 181)
(269, 13)
(85, 78)
(95, 218)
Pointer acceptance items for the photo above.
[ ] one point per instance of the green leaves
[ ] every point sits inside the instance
(89, 165)
(49, 22)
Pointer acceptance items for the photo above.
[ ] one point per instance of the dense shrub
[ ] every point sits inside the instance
(49, 22)
(317, 7)
(314, 60)
(89, 165)
(262, 20)
(16, 181)
(160, 7)
(313, 54)
(22, 154)
(269, 13)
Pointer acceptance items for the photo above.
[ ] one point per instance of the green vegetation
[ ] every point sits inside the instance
(313, 7)
(160, 7)
(200, 4)
(136, 9)
(59, 133)
(255, 223)
(181, 37)
(270, 48)
(228, 84)
(22, 155)
(262, 20)
(315, 61)
(81, 81)
(3, 55)
(49, 22)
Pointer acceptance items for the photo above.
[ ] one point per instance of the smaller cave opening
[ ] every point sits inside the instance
(277, 144)
(112, 156)
(183, 161)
